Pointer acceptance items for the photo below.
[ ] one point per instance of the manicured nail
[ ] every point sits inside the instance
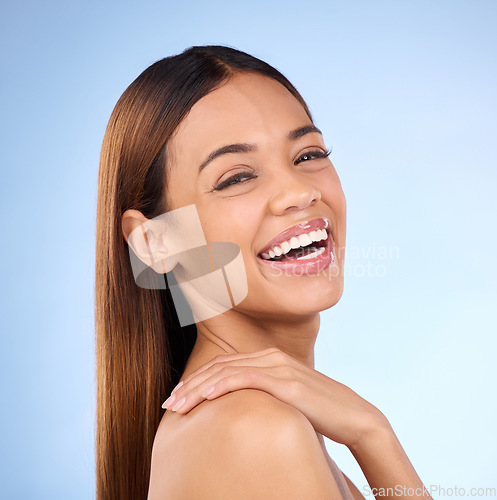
(208, 391)
(179, 404)
(169, 401)
(177, 387)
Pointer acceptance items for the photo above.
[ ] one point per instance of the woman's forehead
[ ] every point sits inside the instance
(248, 108)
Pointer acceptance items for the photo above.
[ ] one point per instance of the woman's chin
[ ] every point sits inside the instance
(319, 294)
(300, 301)
(313, 303)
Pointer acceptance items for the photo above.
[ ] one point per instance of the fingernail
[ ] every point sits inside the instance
(168, 401)
(177, 387)
(208, 391)
(179, 404)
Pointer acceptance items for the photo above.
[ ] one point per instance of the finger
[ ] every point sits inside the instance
(283, 367)
(224, 358)
(287, 390)
(195, 386)
(281, 381)
(260, 361)
(185, 400)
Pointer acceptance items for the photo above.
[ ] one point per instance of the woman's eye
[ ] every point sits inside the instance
(241, 177)
(312, 155)
(235, 179)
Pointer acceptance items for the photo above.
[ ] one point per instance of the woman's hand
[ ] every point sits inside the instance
(333, 409)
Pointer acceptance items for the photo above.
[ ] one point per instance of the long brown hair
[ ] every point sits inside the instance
(141, 350)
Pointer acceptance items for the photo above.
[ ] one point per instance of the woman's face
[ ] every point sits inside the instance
(252, 194)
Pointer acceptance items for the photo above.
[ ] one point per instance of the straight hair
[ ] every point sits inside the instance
(141, 350)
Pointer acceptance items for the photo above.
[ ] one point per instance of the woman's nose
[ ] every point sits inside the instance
(293, 193)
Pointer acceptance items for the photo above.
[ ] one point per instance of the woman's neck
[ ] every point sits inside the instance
(234, 332)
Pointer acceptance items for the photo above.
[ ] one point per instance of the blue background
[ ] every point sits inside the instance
(404, 93)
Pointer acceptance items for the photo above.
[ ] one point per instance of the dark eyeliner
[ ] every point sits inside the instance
(315, 154)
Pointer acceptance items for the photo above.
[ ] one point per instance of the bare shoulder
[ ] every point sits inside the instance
(245, 444)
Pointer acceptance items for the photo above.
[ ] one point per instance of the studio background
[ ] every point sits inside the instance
(404, 92)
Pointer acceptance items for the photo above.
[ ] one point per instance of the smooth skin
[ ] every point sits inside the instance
(259, 434)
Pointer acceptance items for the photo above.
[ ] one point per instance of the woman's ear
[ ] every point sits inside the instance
(146, 238)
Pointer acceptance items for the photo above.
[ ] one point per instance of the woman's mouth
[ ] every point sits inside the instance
(308, 249)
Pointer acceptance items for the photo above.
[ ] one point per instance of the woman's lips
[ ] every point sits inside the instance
(301, 228)
(310, 263)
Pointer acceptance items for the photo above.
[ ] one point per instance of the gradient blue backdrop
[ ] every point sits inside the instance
(405, 94)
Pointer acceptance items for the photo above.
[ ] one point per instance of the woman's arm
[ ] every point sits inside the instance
(386, 466)
(332, 408)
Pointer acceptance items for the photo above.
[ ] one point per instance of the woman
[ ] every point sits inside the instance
(226, 141)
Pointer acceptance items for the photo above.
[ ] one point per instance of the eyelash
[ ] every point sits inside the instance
(317, 154)
(236, 179)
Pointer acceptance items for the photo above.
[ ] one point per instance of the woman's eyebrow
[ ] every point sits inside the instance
(247, 147)
(301, 131)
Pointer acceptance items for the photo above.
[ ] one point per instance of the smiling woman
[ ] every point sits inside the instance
(218, 130)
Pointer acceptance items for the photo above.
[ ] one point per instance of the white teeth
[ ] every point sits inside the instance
(302, 240)
(323, 234)
(312, 254)
(294, 242)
